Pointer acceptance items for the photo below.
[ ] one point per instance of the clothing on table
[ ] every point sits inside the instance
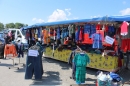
(81, 61)
(97, 41)
(10, 50)
(34, 64)
(124, 28)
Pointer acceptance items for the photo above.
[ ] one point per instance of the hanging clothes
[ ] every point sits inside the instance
(58, 33)
(65, 32)
(34, 63)
(81, 34)
(111, 31)
(33, 34)
(63, 35)
(98, 27)
(92, 30)
(81, 61)
(10, 50)
(97, 41)
(27, 35)
(36, 33)
(77, 33)
(70, 61)
(73, 33)
(70, 28)
(124, 28)
(39, 33)
(45, 36)
(87, 29)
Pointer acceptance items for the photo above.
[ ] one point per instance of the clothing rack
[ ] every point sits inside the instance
(13, 66)
(20, 63)
(11, 53)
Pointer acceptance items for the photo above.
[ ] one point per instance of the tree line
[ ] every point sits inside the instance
(12, 25)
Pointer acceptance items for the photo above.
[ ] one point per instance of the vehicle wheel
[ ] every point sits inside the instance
(9, 67)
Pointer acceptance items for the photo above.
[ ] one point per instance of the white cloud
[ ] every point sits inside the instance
(125, 11)
(124, 2)
(68, 11)
(37, 20)
(59, 15)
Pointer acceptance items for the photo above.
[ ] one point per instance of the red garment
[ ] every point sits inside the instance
(81, 34)
(124, 28)
(66, 42)
(10, 51)
(106, 28)
(98, 27)
(87, 40)
(125, 45)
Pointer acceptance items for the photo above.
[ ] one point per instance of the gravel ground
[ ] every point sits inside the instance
(56, 73)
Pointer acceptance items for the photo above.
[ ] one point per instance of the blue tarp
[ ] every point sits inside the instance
(105, 18)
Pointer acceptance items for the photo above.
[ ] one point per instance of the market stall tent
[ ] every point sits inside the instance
(98, 19)
(97, 61)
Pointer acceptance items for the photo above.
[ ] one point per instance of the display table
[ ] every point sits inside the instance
(97, 61)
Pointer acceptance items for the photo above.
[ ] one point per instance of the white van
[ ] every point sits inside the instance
(18, 32)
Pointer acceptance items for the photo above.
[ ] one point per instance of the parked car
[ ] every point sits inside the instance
(16, 33)
(2, 45)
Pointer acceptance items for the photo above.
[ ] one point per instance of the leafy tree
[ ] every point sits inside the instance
(10, 25)
(1, 26)
(18, 25)
(26, 25)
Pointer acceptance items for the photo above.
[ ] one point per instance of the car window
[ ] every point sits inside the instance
(18, 33)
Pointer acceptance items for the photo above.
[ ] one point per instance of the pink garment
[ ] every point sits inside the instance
(9, 34)
(124, 28)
